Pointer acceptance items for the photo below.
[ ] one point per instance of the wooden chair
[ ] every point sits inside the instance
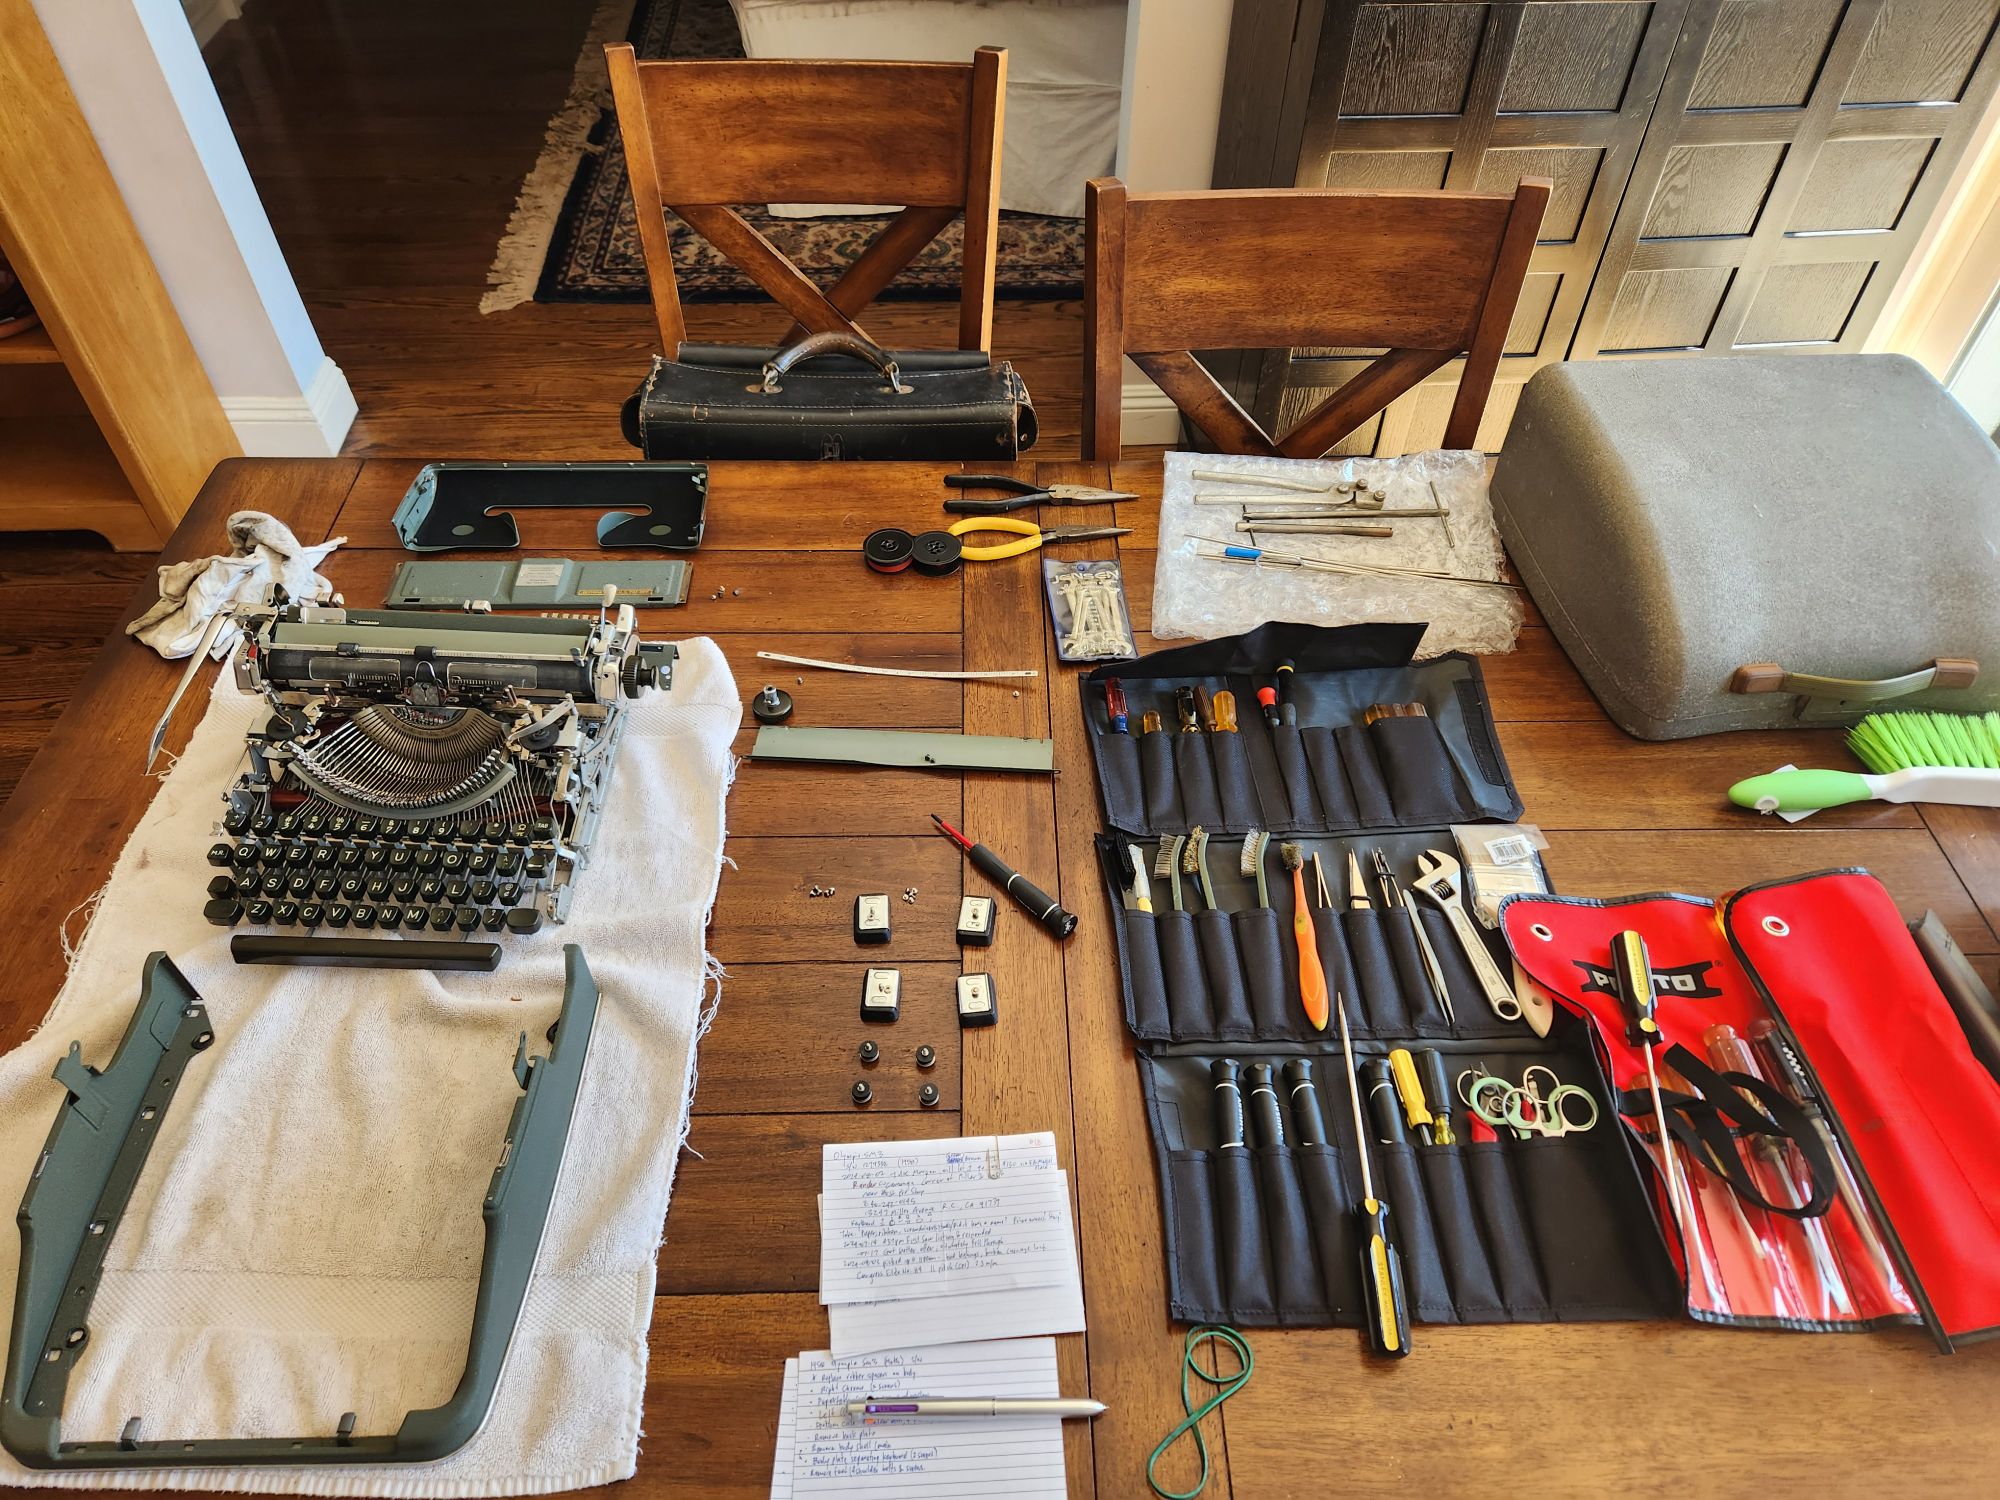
(701, 136)
(1427, 276)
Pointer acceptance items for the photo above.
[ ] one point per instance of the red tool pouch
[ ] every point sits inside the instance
(1899, 1113)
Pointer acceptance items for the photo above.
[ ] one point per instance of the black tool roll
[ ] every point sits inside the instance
(830, 396)
(1513, 1227)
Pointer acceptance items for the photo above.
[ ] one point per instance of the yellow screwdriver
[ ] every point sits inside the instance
(1388, 1311)
(1410, 1089)
(1223, 710)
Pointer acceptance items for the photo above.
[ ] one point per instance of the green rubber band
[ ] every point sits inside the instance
(1226, 1386)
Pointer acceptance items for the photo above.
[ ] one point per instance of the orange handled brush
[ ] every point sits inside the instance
(1312, 978)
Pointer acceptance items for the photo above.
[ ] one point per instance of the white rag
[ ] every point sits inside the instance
(262, 552)
(305, 1239)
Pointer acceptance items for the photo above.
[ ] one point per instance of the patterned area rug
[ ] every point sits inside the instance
(593, 252)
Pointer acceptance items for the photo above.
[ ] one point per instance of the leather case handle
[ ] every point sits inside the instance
(829, 341)
(1769, 677)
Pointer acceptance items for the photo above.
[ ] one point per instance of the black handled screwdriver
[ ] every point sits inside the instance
(1223, 1076)
(1031, 898)
(1381, 1267)
(1632, 970)
(1264, 1106)
(1305, 1102)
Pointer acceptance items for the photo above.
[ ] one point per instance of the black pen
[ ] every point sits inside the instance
(1036, 902)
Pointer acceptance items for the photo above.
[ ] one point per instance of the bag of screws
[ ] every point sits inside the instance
(1087, 604)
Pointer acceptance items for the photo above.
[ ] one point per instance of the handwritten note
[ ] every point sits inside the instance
(903, 1219)
(953, 1459)
(788, 1407)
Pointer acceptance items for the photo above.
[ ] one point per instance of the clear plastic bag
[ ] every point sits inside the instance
(1087, 606)
(1204, 597)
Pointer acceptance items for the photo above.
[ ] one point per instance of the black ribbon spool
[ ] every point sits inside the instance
(888, 550)
(937, 553)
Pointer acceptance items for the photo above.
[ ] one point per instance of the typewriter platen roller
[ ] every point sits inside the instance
(418, 771)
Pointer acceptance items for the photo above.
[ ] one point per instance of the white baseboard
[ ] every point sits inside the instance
(206, 17)
(1150, 418)
(311, 425)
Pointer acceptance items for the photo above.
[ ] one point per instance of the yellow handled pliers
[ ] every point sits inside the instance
(1032, 535)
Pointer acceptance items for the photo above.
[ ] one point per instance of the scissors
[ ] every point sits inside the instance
(1538, 1105)
(1022, 494)
(1031, 536)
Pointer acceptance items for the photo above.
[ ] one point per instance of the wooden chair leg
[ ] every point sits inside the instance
(1503, 292)
(982, 197)
(646, 206)
(1103, 318)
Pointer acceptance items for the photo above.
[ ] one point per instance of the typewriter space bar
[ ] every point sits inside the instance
(366, 953)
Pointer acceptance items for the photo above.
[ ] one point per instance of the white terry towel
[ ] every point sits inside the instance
(306, 1237)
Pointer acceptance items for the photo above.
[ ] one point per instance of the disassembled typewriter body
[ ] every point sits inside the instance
(414, 770)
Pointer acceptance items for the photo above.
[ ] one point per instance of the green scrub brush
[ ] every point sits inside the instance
(1914, 757)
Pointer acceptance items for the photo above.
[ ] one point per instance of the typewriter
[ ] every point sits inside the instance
(422, 773)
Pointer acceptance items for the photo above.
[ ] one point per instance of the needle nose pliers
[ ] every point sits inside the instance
(1031, 536)
(1022, 494)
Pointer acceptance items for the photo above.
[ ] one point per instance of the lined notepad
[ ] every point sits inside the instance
(833, 1454)
(921, 1219)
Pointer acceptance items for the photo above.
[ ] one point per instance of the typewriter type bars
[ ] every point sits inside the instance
(418, 772)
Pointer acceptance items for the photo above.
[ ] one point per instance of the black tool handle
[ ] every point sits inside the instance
(1264, 1112)
(1307, 1117)
(1430, 1068)
(366, 953)
(1225, 1083)
(991, 482)
(1030, 897)
(1633, 971)
(960, 506)
(1380, 1085)
(1388, 1307)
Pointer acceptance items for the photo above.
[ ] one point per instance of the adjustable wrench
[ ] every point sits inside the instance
(1438, 878)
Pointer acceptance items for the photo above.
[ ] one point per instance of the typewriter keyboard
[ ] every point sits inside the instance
(339, 870)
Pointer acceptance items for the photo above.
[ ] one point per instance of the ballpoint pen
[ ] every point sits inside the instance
(975, 1406)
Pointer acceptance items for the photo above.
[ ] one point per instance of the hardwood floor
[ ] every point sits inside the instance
(387, 140)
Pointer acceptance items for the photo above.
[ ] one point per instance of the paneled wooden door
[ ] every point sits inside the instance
(1797, 150)
(1444, 94)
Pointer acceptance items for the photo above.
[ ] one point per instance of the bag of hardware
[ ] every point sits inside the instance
(830, 396)
(1756, 542)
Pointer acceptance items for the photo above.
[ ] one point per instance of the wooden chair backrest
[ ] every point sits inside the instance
(702, 136)
(1426, 276)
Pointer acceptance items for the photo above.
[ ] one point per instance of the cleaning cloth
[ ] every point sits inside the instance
(305, 1239)
(262, 552)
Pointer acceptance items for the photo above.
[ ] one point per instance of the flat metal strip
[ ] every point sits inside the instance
(901, 748)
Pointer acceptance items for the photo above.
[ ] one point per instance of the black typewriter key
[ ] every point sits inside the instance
(401, 857)
(221, 855)
(377, 888)
(313, 824)
(467, 918)
(430, 888)
(517, 833)
(537, 866)
(349, 858)
(221, 888)
(403, 887)
(338, 913)
(340, 824)
(455, 891)
(374, 857)
(367, 828)
(509, 862)
(224, 911)
(259, 913)
(524, 920)
(441, 919)
(326, 887)
(452, 861)
(275, 882)
(310, 914)
(269, 851)
(297, 854)
(352, 888)
(482, 892)
(427, 858)
(364, 917)
(299, 885)
(322, 856)
(263, 823)
(509, 894)
(243, 856)
(389, 918)
(285, 913)
(416, 830)
(493, 919)
(480, 861)
(236, 821)
(416, 918)
(288, 825)
(542, 830)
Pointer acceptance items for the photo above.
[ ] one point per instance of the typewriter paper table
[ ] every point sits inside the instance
(1833, 1414)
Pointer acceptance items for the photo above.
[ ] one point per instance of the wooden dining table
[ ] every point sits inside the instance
(1543, 1409)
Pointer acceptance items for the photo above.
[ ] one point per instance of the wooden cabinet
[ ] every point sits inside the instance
(107, 420)
(1729, 174)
